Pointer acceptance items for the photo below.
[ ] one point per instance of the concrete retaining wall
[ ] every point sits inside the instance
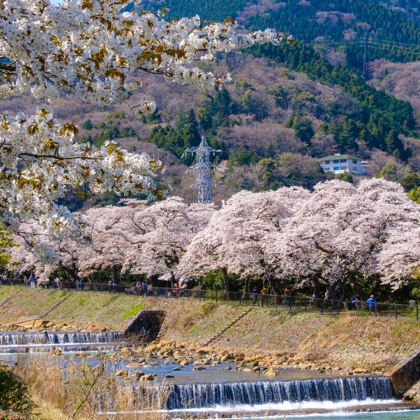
(405, 374)
(146, 325)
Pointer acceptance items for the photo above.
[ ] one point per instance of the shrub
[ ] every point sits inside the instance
(13, 394)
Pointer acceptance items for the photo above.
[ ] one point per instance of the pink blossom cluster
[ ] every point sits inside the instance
(336, 234)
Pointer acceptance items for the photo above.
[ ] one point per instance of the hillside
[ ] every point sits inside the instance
(285, 107)
(324, 22)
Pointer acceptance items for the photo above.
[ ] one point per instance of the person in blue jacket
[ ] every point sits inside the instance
(372, 303)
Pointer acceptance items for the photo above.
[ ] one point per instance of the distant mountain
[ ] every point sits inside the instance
(286, 107)
(339, 24)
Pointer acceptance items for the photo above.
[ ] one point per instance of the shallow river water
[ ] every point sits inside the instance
(380, 415)
(220, 390)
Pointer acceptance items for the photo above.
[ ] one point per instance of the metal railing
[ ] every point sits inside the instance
(290, 303)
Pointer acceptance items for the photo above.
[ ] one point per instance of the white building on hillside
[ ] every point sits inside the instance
(339, 164)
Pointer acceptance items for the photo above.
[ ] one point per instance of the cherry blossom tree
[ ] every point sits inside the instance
(150, 239)
(171, 226)
(236, 237)
(90, 49)
(399, 261)
(338, 235)
(68, 254)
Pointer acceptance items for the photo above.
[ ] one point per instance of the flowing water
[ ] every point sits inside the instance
(377, 415)
(275, 394)
(221, 390)
(264, 397)
(65, 341)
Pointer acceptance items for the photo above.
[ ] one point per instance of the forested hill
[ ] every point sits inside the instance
(286, 106)
(309, 100)
(335, 23)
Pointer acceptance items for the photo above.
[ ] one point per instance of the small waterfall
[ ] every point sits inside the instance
(202, 395)
(70, 341)
(240, 397)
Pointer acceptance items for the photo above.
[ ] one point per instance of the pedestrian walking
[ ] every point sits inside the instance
(288, 296)
(356, 302)
(144, 285)
(264, 295)
(372, 304)
(254, 296)
(32, 281)
(25, 282)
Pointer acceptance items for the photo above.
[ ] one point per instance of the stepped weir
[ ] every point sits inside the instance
(66, 341)
(261, 395)
(204, 395)
(145, 326)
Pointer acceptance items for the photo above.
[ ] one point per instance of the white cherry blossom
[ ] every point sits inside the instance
(90, 49)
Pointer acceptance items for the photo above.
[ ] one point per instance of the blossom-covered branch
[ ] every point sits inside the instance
(88, 47)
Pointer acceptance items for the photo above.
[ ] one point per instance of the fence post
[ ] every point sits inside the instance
(240, 300)
(306, 304)
(375, 309)
(216, 296)
(339, 304)
(322, 306)
(396, 313)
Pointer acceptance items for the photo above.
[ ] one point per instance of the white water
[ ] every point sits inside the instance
(289, 407)
(65, 341)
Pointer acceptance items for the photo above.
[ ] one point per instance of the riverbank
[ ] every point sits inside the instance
(351, 343)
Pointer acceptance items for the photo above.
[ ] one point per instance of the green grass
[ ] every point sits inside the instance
(263, 330)
(30, 302)
(109, 310)
(6, 291)
(133, 311)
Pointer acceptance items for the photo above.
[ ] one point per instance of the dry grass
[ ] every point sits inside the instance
(62, 392)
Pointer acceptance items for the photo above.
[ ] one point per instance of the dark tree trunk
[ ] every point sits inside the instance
(275, 289)
(357, 288)
(375, 286)
(247, 281)
(226, 279)
(115, 269)
(317, 288)
(330, 295)
(71, 272)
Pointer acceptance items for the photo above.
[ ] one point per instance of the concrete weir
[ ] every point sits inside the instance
(405, 374)
(146, 325)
